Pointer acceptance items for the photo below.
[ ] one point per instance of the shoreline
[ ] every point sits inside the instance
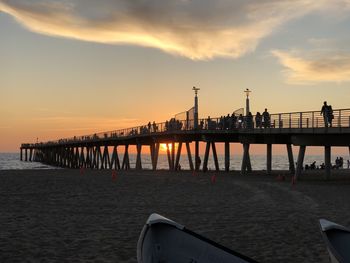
(61, 214)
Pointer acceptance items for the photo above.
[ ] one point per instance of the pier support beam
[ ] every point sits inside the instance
(206, 157)
(291, 159)
(115, 159)
(173, 155)
(126, 161)
(215, 156)
(138, 157)
(178, 155)
(196, 156)
(246, 165)
(300, 161)
(170, 161)
(268, 159)
(189, 155)
(249, 164)
(327, 161)
(21, 154)
(227, 156)
(26, 155)
(155, 154)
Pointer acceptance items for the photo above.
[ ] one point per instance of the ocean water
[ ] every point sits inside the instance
(10, 161)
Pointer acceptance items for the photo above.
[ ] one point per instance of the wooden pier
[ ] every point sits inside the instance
(300, 129)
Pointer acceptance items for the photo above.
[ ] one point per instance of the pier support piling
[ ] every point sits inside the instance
(300, 161)
(206, 157)
(196, 156)
(126, 161)
(268, 159)
(178, 155)
(138, 157)
(327, 161)
(227, 156)
(155, 156)
(215, 156)
(189, 155)
(246, 165)
(291, 159)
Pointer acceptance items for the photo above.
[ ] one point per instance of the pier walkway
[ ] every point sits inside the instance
(296, 128)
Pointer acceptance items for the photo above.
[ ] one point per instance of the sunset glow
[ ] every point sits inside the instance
(72, 68)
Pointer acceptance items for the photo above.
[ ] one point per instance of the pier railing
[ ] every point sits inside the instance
(293, 120)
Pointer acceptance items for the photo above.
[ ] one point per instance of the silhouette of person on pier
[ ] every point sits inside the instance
(266, 118)
(325, 113)
(258, 120)
(249, 121)
(330, 116)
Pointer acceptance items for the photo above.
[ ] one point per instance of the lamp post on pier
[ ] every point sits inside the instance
(247, 108)
(195, 107)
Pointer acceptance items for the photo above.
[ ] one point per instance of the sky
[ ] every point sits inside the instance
(81, 66)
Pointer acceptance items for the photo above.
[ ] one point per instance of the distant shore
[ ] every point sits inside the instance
(56, 215)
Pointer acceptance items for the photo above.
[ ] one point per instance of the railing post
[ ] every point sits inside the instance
(290, 120)
(313, 119)
(307, 122)
(301, 120)
(280, 125)
(339, 119)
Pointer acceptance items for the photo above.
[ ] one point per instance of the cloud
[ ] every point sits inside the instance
(197, 29)
(314, 67)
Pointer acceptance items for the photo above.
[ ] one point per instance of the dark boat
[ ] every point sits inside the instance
(165, 241)
(337, 238)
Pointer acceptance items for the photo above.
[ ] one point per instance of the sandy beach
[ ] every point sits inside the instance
(66, 216)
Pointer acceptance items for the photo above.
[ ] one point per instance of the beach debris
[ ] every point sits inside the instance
(82, 170)
(114, 175)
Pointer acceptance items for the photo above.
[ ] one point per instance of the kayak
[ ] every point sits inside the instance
(337, 239)
(165, 241)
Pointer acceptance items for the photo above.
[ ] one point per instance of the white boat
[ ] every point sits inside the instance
(165, 241)
(337, 238)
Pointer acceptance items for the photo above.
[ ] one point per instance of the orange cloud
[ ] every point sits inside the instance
(197, 29)
(316, 67)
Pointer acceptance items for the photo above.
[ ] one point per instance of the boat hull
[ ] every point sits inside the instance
(337, 239)
(163, 240)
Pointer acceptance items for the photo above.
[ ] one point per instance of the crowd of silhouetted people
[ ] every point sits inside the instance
(173, 125)
(339, 164)
(233, 121)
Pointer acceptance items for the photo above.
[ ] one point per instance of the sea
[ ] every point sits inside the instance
(11, 161)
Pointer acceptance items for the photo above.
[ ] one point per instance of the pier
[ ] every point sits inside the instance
(300, 129)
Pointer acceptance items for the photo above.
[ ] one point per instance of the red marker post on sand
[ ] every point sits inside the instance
(114, 175)
(213, 179)
(293, 180)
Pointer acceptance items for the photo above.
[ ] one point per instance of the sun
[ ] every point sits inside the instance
(164, 147)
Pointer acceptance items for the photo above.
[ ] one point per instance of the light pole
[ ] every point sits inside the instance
(247, 91)
(195, 107)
